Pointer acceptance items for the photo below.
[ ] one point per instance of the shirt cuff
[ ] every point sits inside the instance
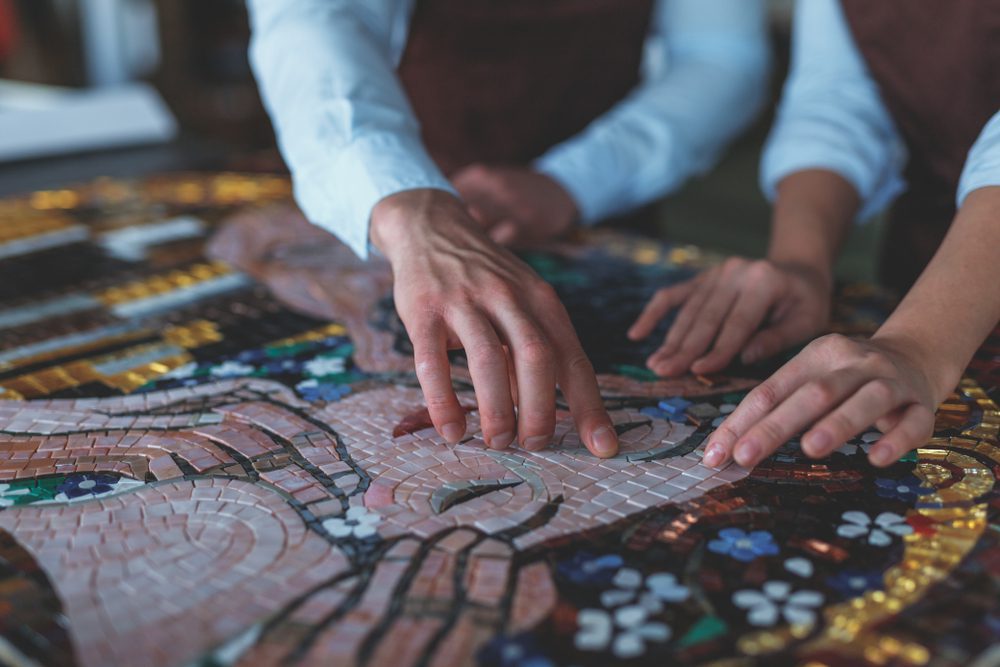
(802, 152)
(339, 194)
(577, 176)
(982, 168)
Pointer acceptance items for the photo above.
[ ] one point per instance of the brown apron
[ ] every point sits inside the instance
(937, 66)
(501, 81)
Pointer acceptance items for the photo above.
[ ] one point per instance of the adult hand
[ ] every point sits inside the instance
(836, 387)
(517, 206)
(454, 288)
(753, 308)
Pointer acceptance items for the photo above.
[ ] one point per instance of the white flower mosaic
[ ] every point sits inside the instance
(182, 372)
(231, 369)
(321, 366)
(863, 443)
(879, 532)
(776, 600)
(8, 495)
(358, 522)
(626, 626)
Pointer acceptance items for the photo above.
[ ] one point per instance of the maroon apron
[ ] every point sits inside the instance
(937, 66)
(501, 81)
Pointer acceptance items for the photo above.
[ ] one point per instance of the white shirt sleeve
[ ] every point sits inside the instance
(705, 80)
(326, 72)
(831, 115)
(982, 167)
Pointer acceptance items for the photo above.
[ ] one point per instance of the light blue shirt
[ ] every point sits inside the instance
(832, 117)
(326, 71)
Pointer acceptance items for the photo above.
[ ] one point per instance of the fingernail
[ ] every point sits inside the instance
(501, 441)
(816, 443)
(605, 441)
(746, 453)
(881, 456)
(714, 454)
(453, 432)
(535, 442)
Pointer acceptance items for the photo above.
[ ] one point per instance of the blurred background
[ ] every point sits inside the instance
(131, 87)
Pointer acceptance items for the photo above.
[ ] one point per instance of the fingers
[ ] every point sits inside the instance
(806, 404)
(579, 386)
(754, 406)
(576, 378)
(857, 413)
(702, 331)
(746, 317)
(434, 374)
(662, 302)
(682, 324)
(534, 368)
(768, 342)
(915, 427)
(490, 376)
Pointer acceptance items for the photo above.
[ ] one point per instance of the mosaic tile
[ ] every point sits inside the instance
(197, 468)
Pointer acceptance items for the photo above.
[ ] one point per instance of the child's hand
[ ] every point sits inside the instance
(747, 307)
(838, 387)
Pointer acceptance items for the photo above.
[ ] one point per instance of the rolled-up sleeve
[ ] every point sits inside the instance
(326, 74)
(831, 115)
(982, 167)
(704, 81)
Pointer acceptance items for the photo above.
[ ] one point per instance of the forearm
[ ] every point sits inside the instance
(813, 212)
(342, 120)
(704, 86)
(955, 303)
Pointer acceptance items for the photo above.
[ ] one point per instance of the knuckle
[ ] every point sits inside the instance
(876, 363)
(771, 432)
(545, 292)
(579, 364)
(732, 265)
(494, 414)
(485, 351)
(437, 402)
(881, 390)
(759, 270)
(535, 351)
(842, 425)
(764, 397)
(502, 291)
(427, 366)
(820, 392)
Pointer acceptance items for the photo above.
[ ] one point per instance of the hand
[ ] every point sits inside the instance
(837, 387)
(455, 288)
(754, 308)
(516, 205)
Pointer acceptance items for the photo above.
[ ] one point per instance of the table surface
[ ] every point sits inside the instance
(215, 452)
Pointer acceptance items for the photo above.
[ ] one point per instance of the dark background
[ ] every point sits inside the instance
(203, 75)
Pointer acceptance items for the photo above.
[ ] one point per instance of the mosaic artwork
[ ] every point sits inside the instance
(213, 451)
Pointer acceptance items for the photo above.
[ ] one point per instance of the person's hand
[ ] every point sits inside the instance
(751, 308)
(455, 288)
(836, 387)
(517, 206)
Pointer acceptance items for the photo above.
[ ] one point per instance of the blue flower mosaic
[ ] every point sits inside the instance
(907, 489)
(744, 546)
(87, 484)
(513, 651)
(313, 390)
(586, 568)
(852, 583)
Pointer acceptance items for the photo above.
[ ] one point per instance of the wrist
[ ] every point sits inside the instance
(941, 370)
(396, 218)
